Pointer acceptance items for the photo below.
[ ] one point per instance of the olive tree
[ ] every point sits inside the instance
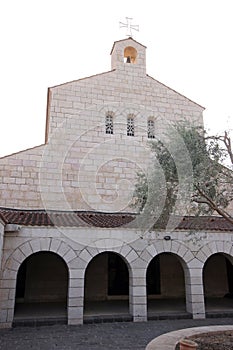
(210, 184)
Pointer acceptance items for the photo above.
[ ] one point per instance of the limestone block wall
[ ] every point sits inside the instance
(77, 247)
(124, 48)
(82, 167)
(19, 179)
(1, 240)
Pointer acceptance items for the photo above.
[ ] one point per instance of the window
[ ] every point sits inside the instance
(150, 129)
(130, 126)
(109, 124)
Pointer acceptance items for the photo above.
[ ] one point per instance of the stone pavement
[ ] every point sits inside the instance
(104, 336)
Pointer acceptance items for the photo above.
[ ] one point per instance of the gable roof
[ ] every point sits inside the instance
(126, 39)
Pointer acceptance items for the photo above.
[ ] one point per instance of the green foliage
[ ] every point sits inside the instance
(211, 182)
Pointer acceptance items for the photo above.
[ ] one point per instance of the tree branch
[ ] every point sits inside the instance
(213, 205)
(227, 142)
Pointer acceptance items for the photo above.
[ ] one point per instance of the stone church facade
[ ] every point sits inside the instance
(68, 233)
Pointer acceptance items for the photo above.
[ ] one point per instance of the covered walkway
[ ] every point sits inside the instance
(116, 310)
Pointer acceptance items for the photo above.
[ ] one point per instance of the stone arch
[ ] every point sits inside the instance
(126, 252)
(165, 280)
(175, 247)
(181, 253)
(42, 284)
(28, 248)
(220, 246)
(21, 253)
(112, 293)
(217, 277)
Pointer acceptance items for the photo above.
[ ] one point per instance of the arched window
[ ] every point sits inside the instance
(109, 124)
(150, 129)
(130, 126)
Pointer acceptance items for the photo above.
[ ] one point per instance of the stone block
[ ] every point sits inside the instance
(26, 249)
(188, 256)
(201, 256)
(197, 289)
(9, 274)
(55, 244)
(219, 245)
(35, 245)
(75, 313)
(18, 256)
(138, 318)
(12, 264)
(139, 291)
(75, 292)
(10, 315)
(70, 255)
(132, 256)
(4, 294)
(85, 255)
(139, 281)
(3, 317)
(76, 302)
(45, 244)
(8, 283)
(74, 321)
(77, 281)
(125, 250)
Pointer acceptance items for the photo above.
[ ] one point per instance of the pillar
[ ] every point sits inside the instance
(137, 295)
(195, 303)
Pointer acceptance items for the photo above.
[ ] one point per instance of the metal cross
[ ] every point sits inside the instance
(129, 26)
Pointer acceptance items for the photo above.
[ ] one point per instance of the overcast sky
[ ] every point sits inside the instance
(45, 43)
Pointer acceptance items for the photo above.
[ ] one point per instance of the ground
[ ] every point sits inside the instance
(104, 336)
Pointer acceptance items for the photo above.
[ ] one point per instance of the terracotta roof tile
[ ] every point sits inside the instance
(99, 219)
(212, 223)
(66, 219)
(107, 220)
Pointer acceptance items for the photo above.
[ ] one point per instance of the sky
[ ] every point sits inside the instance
(46, 43)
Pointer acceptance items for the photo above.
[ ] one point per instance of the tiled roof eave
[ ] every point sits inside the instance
(53, 218)
(41, 218)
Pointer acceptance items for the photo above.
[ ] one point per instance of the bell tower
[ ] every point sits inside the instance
(128, 54)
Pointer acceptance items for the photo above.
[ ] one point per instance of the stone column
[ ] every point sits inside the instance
(7, 298)
(194, 292)
(137, 295)
(76, 297)
(1, 242)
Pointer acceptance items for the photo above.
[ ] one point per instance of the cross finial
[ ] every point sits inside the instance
(129, 26)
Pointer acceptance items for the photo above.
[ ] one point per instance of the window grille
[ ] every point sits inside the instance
(130, 126)
(151, 129)
(109, 124)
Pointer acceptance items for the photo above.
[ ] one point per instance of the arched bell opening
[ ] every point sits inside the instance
(130, 55)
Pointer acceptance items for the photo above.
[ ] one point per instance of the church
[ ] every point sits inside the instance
(72, 249)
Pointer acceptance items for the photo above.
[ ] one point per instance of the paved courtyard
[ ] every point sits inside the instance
(104, 336)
